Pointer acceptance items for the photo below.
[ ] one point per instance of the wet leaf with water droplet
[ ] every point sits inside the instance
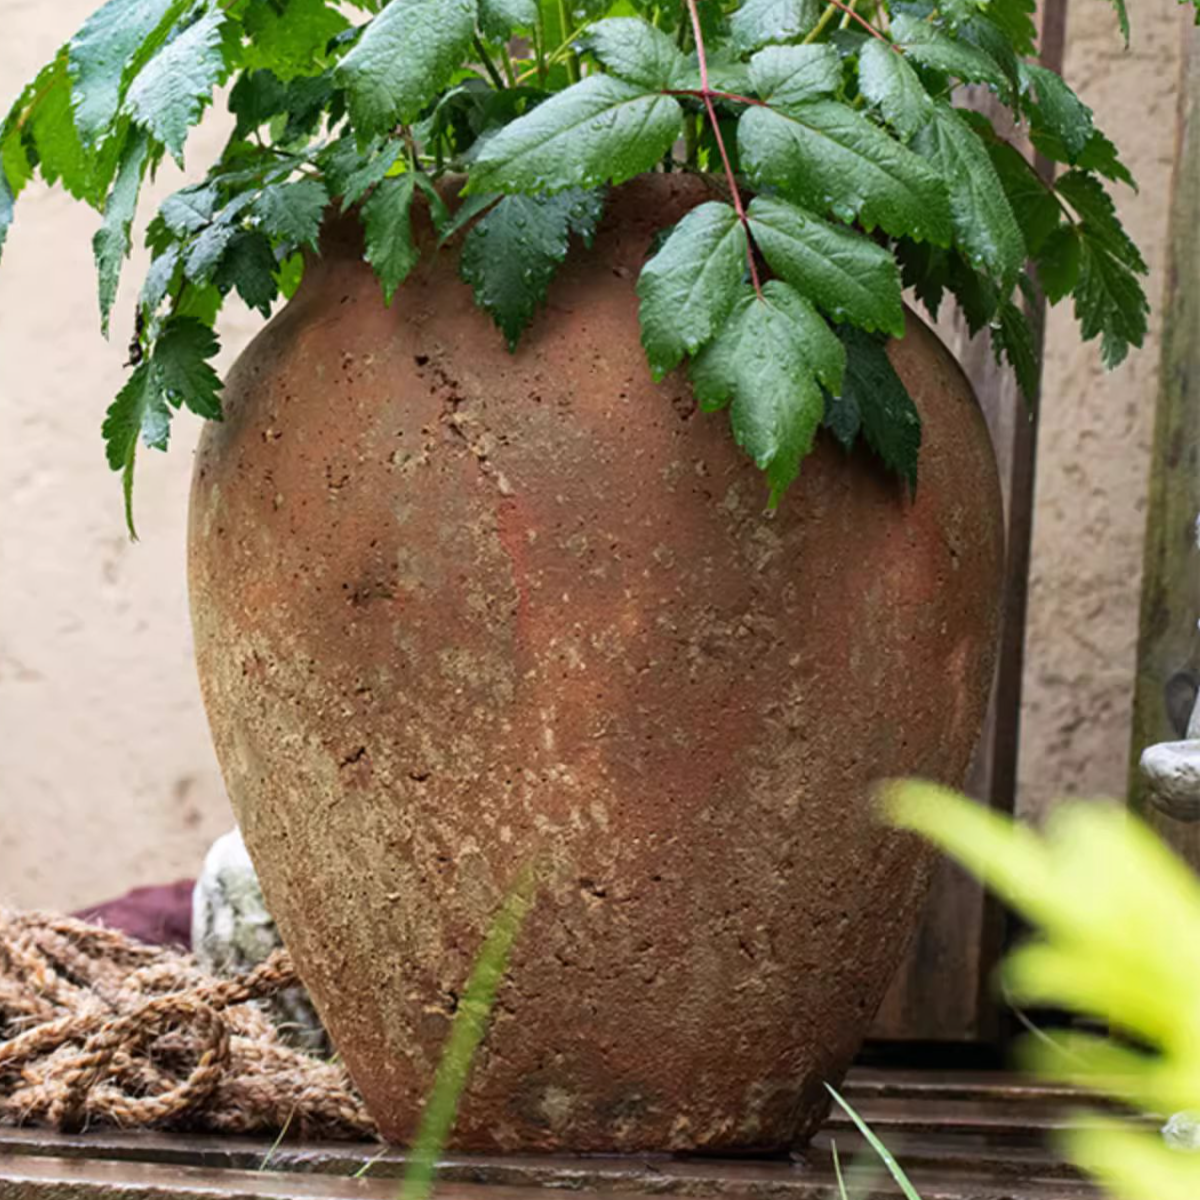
(511, 255)
(768, 363)
(689, 287)
(600, 130)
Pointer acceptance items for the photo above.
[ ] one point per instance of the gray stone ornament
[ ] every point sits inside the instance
(232, 932)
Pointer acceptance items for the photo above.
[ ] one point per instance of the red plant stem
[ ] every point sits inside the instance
(846, 8)
(719, 95)
(706, 94)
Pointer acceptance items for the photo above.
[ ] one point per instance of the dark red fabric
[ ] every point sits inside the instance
(158, 916)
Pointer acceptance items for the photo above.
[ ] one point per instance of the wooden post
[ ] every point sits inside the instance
(1168, 642)
(941, 992)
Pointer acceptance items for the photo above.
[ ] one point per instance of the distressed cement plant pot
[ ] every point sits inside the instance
(458, 611)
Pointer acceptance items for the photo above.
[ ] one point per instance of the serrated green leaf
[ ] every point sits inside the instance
(350, 172)
(1122, 19)
(1033, 203)
(403, 58)
(892, 86)
(189, 209)
(205, 249)
(636, 51)
(289, 38)
(7, 210)
(1098, 215)
(1109, 302)
(181, 369)
(1057, 108)
(176, 373)
(600, 130)
(14, 159)
(926, 44)
(159, 278)
(984, 35)
(1012, 341)
(758, 22)
(1101, 156)
(499, 19)
(828, 157)
(199, 300)
(111, 242)
(842, 419)
(469, 207)
(958, 11)
(584, 213)
(204, 253)
(1015, 19)
(1058, 263)
(255, 98)
(926, 270)
(139, 411)
(309, 100)
(690, 286)
(387, 225)
(984, 224)
(98, 55)
(170, 92)
(512, 254)
(249, 266)
(61, 155)
(768, 362)
(888, 417)
(290, 275)
(788, 75)
(843, 272)
(292, 212)
(977, 294)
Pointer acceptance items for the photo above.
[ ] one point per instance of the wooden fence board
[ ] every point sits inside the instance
(1168, 640)
(941, 991)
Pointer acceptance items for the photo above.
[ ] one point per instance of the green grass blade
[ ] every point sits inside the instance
(885, 1155)
(837, 1170)
(466, 1033)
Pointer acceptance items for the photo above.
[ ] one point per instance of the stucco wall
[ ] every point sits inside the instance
(107, 778)
(106, 775)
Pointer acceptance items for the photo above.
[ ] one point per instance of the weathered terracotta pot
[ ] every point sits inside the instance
(458, 611)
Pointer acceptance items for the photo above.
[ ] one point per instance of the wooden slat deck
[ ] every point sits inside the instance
(960, 1137)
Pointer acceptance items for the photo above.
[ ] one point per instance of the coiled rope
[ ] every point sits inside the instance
(96, 1028)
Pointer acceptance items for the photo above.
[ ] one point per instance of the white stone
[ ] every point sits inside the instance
(232, 931)
(1172, 771)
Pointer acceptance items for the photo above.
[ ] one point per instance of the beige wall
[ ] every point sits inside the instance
(107, 779)
(106, 776)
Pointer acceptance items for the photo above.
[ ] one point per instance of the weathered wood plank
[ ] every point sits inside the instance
(1168, 640)
(81, 1179)
(960, 1137)
(940, 992)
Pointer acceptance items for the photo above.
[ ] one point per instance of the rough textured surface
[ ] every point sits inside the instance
(94, 640)
(458, 611)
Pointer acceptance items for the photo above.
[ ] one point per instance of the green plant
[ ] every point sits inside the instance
(1117, 937)
(467, 1031)
(837, 115)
